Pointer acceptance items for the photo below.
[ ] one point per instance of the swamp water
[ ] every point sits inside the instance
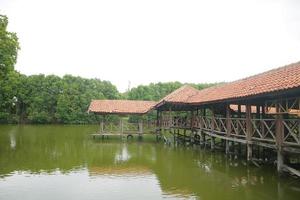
(64, 162)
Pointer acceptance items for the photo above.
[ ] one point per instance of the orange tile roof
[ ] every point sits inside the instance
(283, 78)
(120, 106)
(181, 95)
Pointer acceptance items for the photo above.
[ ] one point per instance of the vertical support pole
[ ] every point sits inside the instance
(121, 125)
(140, 127)
(158, 128)
(157, 118)
(170, 117)
(192, 126)
(239, 111)
(238, 127)
(192, 119)
(257, 111)
(212, 141)
(249, 132)
(203, 133)
(101, 126)
(228, 127)
(279, 137)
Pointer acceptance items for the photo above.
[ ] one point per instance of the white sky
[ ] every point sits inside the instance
(145, 41)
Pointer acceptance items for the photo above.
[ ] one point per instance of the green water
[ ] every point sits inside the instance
(63, 162)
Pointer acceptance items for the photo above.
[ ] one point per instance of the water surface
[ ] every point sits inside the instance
(63, 162)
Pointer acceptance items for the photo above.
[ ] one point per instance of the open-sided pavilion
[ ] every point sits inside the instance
(260, 112)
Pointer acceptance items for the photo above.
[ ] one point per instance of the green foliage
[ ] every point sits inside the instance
(156, 91)
(153, 91)
(8, 48)
(8, 56)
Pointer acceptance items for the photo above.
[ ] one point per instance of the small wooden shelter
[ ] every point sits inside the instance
(121, 108)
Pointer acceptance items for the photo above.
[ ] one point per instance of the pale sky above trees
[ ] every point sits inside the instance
(145, 41)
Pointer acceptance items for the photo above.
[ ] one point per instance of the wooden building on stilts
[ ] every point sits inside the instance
(261, 112)
(258, 116)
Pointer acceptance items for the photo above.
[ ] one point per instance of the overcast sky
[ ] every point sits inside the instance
(145, 41)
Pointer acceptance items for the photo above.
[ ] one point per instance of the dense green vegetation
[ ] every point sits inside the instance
(156, 91)
(54, 99)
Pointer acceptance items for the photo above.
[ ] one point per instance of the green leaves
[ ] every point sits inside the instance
(9, 47)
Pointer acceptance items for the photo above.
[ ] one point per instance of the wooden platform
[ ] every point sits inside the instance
(121, 135)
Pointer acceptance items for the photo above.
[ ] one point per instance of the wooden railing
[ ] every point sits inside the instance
(291, 131)
(263, 130)
(127, 127)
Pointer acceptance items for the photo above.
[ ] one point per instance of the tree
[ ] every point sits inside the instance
(9, 47)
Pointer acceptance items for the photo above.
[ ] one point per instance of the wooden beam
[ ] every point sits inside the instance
(248, 132)
(101, 126)
(192, 119)
(121, 125)
(212, 141)
(140, 127)
(279, 130)
(170, 117)
(239, 111)
(291, 170)
(228, 127)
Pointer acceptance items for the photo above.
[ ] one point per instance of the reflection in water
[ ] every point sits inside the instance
(59, 162)
(123, 155)
(12, 138)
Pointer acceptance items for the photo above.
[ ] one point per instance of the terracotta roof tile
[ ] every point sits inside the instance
(279, 79)
(181, 95)
(120, 106)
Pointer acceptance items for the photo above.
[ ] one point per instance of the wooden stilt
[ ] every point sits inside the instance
(140, 127)
(212, 140)
(204, 139)
(279, 138)
(227, 147)
(212, 143)
(249, 132)
(121, 126)
(102, 127)
(228, 127)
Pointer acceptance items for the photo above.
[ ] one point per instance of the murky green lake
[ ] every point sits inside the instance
(63, 162)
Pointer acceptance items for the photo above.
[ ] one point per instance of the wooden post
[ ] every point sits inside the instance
(238, 127)
(101, 126)
(249, 132)
(279, 137)
(158, 128)
(257, 111)
(121, 125)
(157, 118)
(239, 111)
(140, 127)
(192, 119)
(170, 117)
(228, 127)
(212, 141)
